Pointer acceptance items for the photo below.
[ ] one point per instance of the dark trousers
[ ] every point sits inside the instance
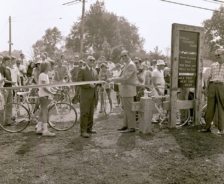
(86, 114)
(215, 99)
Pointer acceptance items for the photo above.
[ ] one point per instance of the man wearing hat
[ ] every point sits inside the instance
(216, 93)
(88, 95)
(127, 91)
(158, 82)
(158, 78)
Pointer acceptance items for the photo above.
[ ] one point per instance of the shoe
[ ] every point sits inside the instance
(123, 128)
(39, 132)
(155, 122)
(75, 100)
(129, 130)
(220, 132)
(91, 132)
(8, 124)
(85, 135)
(205, 130)
(48, 134)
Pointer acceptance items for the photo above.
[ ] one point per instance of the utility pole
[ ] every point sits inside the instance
(82, 22)
(82, 28)
(10, 38)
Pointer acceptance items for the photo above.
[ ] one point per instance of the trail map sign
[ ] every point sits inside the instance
(188, 59)
(186, 69)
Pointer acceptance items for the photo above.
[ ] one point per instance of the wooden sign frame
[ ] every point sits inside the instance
(175, 45)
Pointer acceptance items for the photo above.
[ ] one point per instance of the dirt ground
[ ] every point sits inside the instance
(109, 157)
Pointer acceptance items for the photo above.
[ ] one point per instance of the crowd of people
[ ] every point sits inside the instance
(125, 77)
(21, 72)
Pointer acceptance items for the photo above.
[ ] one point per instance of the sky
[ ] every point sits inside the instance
(154, 18)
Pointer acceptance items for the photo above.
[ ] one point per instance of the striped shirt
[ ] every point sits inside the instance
(217, 72)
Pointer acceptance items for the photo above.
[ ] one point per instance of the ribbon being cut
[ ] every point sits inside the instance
(54, 85)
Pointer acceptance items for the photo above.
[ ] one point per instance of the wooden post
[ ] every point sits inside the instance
(10, 37)
(82, 28)
(145, 115)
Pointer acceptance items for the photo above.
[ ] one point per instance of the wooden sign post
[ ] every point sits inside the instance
(186, 69)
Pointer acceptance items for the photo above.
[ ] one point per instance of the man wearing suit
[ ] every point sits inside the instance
(127, 91)
(88, 95)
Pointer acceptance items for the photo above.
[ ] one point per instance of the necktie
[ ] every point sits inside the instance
(91, 72)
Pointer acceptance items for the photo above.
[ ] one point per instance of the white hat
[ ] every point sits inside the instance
(160, 62)
(38, 62)
(90, 58)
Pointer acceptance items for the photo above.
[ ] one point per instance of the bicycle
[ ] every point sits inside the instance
(106, 104)
(61, 116)
(62, 95)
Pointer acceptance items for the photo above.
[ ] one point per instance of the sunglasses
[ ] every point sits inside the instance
(123, 56)
(91, 60)
(218, 55)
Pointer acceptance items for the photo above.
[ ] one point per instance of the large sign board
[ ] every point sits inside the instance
(188, 59)
(186, 69)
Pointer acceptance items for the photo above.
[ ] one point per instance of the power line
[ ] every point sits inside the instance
(213, 2)
(190, 6)
(218, 1)
(72, 2)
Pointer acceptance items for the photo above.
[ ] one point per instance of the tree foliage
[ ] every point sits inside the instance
(49, 43)
(214, 33)
(105, 32)
(156, 54)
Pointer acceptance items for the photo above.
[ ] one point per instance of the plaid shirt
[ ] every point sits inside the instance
(217, 72)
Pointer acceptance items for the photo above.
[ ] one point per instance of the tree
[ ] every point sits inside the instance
(214, 33)
(156, 54)
(15, 53)
(105, 33)
(49, 42)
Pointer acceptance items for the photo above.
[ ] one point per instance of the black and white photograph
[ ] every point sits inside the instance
(112, 91)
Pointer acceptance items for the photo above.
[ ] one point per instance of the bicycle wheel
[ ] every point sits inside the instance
(20, 118)
(62, 116)
(106, 104)
(203, 112)
(183, 115)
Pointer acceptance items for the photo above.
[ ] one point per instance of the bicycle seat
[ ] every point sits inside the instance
(23, 93)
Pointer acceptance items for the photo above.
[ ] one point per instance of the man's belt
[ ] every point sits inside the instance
(217, 82)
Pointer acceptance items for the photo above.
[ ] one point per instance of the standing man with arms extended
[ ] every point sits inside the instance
(88, 95)
(127, 91)
(215, 93)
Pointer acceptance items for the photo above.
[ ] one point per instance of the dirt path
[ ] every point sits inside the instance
(109, 157)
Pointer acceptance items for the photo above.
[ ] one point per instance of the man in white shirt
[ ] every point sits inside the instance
(159, 83)
(158, 78)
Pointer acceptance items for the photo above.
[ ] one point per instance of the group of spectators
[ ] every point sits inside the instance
(20, 72)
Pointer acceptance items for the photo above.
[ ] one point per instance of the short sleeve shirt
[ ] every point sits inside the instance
(43, 77)
(159, 75)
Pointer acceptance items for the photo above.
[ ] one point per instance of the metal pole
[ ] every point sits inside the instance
(82, 29)
(10, 41)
